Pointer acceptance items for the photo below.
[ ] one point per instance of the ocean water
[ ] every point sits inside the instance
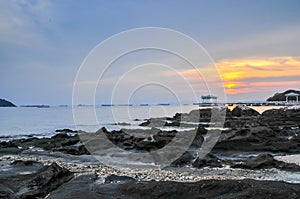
(24, 121)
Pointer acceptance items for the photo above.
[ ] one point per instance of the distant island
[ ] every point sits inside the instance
(281, 96)
(5, 103)
(36, 106)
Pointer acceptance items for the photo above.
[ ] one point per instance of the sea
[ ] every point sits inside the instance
(19, 122)
(22, 122)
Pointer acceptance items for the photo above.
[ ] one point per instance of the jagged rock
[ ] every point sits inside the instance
(208, 161)
(7, 193)
(244, 111)
(5, 103)
(117, 179)
(35, 185)
(184, 159)
(266, 161)
(281, 96)
(46, 180)
(65, 131)
(225, 189)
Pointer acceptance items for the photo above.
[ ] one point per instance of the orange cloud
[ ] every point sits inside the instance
(259, 67)
(239, 75)
(241, 70)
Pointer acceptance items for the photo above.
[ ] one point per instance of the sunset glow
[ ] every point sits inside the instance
(244, 75)
(254, 74)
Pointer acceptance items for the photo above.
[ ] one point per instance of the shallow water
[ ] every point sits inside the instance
(44, 121)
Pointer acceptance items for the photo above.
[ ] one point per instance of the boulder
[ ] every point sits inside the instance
(244, 111)
(266, 161)
(184, 159)
(208, 161)
(46, 180)
(225, 189)
(118, 179)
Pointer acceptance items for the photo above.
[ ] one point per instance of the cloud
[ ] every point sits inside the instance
(283, 40)
(25, 22)
(255, 74)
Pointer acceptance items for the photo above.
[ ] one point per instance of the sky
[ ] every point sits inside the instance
(254, 45)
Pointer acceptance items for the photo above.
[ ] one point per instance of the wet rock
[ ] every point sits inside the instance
(274, 113)
(242, 122)
(79, 187)
(66, 131)
(198, 140)
(74, 150)
(33, 185)
(26, 163)
(224, 189)
(244, 111)
(155, 122)
(6, 192)
(256, 139)
(186, 158)
(118, 179)
(60, 136)
(46, 180)
(208, 161)
(266, 161)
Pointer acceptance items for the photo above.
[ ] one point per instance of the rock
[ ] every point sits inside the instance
(7, 193)
(283, 117)
(60, 136)
(225, 189)
(74, 150)
(281, 96)
(154, 122)
(26, 163)
(5, 103)
(65, 131)
(46, 180)
(256, 139)
(274, 113)
(244, 111)
(184, 159)
(79, 187)
(32, 185)
(242, 122)
(118, 179)
(208, 161)
(266, 161)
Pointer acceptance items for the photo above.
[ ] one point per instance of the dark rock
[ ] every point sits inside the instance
(74, 150)
(244, 111)
(266, 161)
(208, 161)
(198, 140)
(287, 117)
(281, 96)
(224, 189)
(5, 103)
(65, 131)
(26, 163)
(155, 122)
(35, 185)
(117, 179)
(46, 180)
(184, 159)
(256, 139)
(60, 136)
(79, 187)
(7, 193)
(271, 113)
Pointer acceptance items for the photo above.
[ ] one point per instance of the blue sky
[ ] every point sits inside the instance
(43, 43)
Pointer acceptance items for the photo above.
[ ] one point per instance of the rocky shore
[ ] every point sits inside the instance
(251, 146)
